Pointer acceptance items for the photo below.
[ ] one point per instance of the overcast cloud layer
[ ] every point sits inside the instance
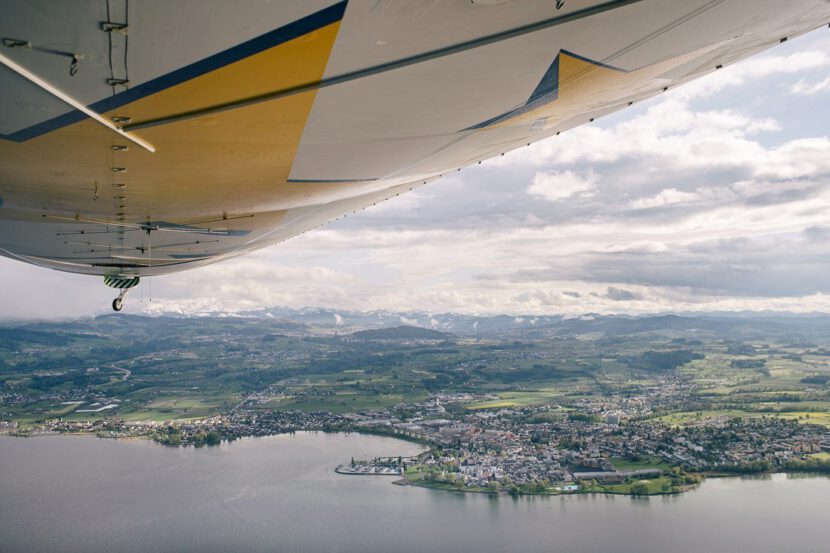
(714, 196)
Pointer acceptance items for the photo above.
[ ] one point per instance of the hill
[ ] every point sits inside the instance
(403, 332)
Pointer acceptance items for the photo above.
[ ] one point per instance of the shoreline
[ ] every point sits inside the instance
(552, 493)
(24, 433)
(350, 472)
(403, 480)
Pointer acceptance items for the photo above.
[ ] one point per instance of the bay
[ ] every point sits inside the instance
(84, 494)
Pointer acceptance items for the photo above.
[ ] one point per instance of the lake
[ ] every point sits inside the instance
(84, 494)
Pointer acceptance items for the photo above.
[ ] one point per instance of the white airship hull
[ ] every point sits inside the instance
(210, 129)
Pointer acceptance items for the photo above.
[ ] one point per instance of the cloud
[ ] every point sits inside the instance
(618, 294)
(756, 68)
(666, 197)
(670, 134)
(805, 157)
(803, 87)
(560, 185)
(817, 233)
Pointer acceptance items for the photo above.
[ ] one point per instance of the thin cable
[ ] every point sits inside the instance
(109, 40)
(149, 265)
(126, 43)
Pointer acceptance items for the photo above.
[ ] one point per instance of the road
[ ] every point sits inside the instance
(127, 372)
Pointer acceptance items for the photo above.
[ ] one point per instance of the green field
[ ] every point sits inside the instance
(811, 417)
(654, 486)
(519, 399)
(694, 417)
(345, 402)
(644, 463)
(192, 368)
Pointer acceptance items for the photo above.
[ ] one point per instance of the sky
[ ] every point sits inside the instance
(714, 196)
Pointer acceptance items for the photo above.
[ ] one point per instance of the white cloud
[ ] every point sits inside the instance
(805, 157)
(560, 185)
(672, 136)
(808, 89)
(753, 69)
(669, 196)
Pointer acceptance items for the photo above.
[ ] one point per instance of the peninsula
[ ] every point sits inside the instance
(639, 406)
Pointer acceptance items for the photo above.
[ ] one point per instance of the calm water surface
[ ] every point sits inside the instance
(280, 493)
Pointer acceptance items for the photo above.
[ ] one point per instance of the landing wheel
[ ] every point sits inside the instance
(124, 284)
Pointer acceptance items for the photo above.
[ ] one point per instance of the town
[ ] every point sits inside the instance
(634, 406)
(609, 445)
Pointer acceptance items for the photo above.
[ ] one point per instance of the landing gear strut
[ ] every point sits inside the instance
(118, 303)
(124, 284)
